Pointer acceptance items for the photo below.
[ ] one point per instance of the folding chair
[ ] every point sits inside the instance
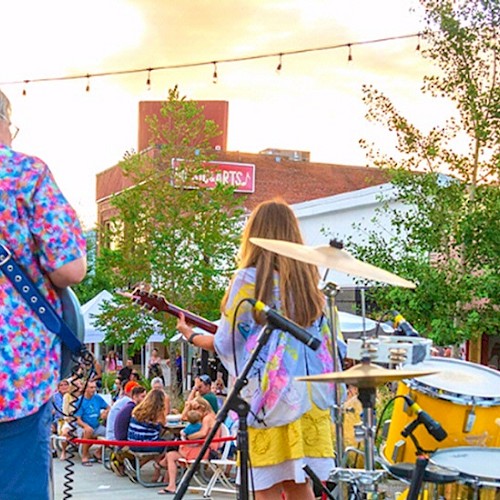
(204, 482)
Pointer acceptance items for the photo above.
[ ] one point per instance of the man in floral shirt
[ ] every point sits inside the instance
(42, 231)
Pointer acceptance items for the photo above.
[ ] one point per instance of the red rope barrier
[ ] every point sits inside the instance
(148, 444)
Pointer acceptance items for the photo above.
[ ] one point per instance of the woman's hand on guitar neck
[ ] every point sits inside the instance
(198, 340)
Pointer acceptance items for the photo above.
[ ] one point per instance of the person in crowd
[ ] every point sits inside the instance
(203, 387)
(122, 418)
(111, 362)
(117, 407)
(157, 383)
(118, 390)
(189, 451)
(75, 389)
(154, 366)
(124, 373)
(91, 413)
(97, 376)
(42, 232)
(135, 376)
(194, 419)
(57, 405)
(281, 406)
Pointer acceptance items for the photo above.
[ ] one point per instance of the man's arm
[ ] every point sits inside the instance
(69, 274)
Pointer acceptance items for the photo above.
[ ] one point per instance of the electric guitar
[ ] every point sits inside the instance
(156, 302)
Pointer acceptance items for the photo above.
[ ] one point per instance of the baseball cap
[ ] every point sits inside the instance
(205, 379)
(130, 385)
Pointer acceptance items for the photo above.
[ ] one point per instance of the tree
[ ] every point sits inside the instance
(170, 230)
(447, 238)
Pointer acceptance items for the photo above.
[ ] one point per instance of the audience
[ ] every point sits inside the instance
(203, 387)
(124, 373)
(92, 411)
(117, 407)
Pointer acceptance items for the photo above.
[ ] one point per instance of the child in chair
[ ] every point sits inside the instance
(194, 419)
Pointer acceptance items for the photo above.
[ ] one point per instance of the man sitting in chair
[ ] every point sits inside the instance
(92, 412)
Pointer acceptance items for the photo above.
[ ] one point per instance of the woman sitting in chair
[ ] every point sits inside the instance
(189, 451)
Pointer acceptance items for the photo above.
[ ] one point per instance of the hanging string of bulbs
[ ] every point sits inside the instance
(212, 62)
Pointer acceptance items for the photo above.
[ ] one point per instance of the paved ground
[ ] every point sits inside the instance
(96, 483)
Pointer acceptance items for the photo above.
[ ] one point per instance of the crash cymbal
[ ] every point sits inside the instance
(367, 375)
(332, 258)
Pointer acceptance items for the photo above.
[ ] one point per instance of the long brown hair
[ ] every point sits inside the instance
(301, 299)
(152, 408)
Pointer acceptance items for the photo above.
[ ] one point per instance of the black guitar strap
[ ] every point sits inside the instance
(37, 302)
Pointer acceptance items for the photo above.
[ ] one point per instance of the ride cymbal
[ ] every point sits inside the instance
(366, 375)
(332, 258)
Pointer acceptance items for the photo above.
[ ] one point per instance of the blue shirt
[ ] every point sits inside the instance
(143, 431)
(90, 410)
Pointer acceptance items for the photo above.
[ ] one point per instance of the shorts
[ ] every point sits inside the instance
(25, 457)
(99, 432)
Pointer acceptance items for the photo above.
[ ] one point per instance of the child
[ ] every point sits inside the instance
(194, 419)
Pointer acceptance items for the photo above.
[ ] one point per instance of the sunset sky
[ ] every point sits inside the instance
(313, 104)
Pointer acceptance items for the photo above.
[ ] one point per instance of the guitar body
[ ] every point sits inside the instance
(72, 316)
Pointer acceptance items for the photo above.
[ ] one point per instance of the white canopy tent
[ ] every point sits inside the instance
(94, 335)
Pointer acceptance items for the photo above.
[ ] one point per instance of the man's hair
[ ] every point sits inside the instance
(5, 108)
(157, 380)
(138, 390)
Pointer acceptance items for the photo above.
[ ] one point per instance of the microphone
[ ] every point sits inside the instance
(433, 426)
(287, 325)
(401, 323)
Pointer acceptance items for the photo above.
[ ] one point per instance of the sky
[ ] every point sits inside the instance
(313, 104)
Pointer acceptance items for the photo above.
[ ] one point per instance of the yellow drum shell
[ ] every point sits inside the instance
(463, 397)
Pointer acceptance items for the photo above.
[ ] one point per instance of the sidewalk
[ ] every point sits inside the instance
(96, 483)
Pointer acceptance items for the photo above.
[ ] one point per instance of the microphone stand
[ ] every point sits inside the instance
(236, 403)
(330, 290)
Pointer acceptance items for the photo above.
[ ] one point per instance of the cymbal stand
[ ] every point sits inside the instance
(330, 290)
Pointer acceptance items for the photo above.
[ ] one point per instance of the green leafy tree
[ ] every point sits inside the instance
(170, 230)
(447, 236)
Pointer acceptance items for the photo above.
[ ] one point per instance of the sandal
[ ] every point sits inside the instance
(164, 491)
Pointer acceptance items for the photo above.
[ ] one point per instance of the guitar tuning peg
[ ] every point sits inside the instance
(154, 309)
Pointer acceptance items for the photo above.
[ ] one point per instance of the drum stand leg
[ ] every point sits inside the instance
(367, 398)
(330, 290)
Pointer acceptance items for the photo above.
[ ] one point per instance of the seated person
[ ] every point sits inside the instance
(92, 411)
(189, 451)
(75, 388)
(117, 407)
(146, 424)
(203, 387)
(194, 419)
(122, 418)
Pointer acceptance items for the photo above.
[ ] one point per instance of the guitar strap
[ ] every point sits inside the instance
(38, 302)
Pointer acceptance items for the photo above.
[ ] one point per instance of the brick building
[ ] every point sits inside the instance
(268, 174)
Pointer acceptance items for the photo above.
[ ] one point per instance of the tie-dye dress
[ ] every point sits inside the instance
(290, 421)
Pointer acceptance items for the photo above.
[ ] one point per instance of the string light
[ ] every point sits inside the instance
(24, 87)
(215, 77)
(418, 44)
(148, 81)
(278, 68)
(205, 63)
(349, 57)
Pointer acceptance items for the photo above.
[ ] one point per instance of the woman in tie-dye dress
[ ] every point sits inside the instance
(289, 423)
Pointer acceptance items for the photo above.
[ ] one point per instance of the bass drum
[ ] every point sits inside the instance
(463, 397)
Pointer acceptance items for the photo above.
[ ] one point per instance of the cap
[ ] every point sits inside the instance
(130, 385)
(205, 378)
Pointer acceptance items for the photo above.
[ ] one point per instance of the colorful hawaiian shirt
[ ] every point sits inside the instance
(276, 398)
(43, 232)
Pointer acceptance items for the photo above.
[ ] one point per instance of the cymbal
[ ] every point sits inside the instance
(366, 375)
(333, 258)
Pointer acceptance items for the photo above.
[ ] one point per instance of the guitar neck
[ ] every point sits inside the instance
(192, 318)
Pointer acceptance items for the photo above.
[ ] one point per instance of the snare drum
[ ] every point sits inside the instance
(463, 397)
(479, 470)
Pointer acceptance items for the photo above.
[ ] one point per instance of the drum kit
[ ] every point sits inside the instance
(466, 394)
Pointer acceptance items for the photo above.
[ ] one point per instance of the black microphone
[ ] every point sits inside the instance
(401, 323)
(433, 426)
(287, 325)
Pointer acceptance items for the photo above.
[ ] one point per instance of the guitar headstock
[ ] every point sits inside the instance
(143, 296)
